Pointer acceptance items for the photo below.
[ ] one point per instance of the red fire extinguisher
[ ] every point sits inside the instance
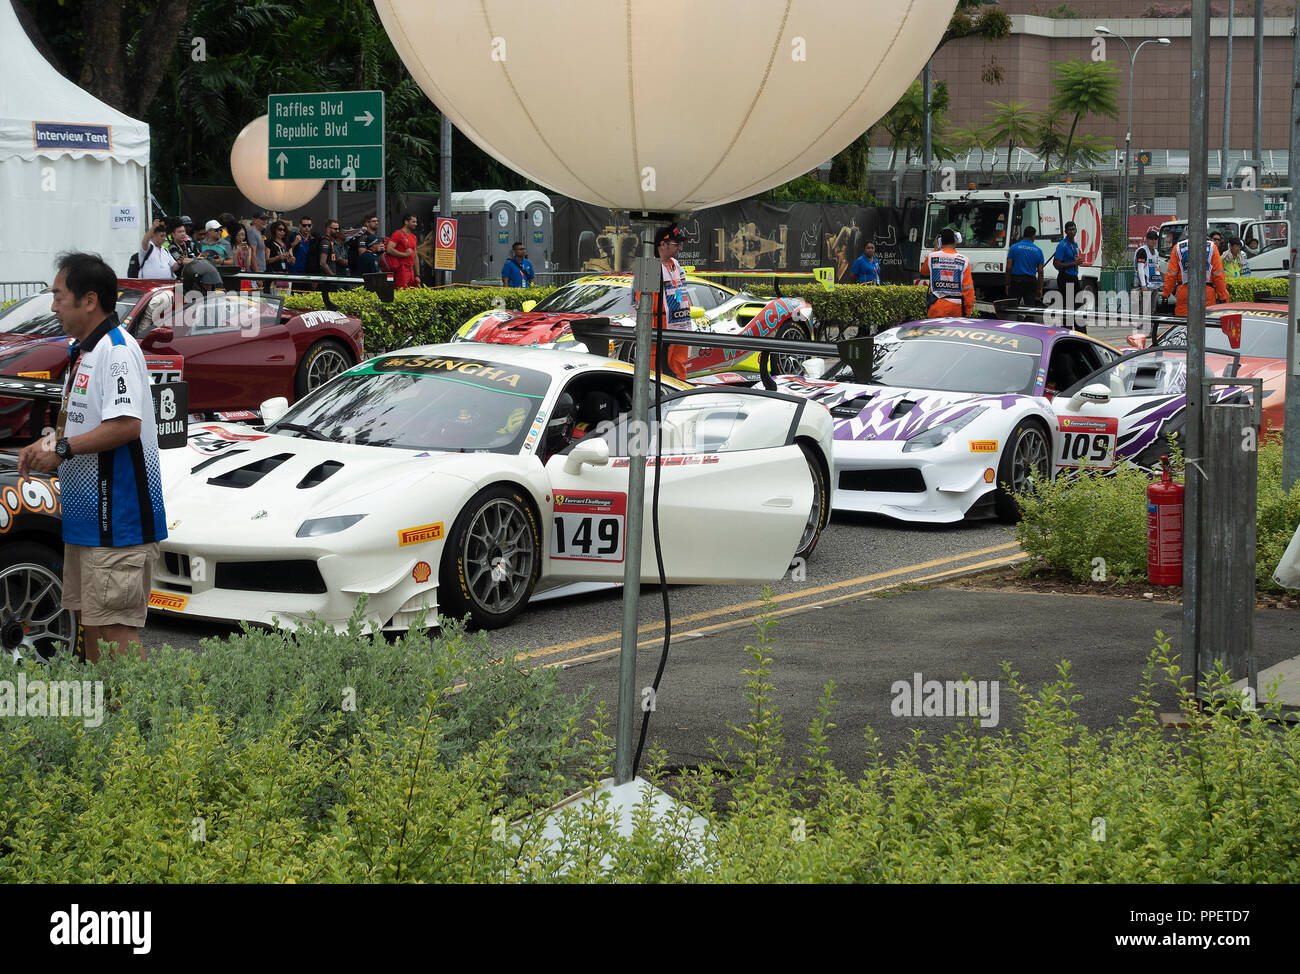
(1165, 530)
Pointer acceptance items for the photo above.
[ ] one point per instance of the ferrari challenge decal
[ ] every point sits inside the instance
(524, 382)
(165, 600)
(678, 461)
(38, 496)
(425, 532)
(1087, 441)
(588, 526)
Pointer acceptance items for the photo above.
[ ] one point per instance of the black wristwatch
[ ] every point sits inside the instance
(63, 448)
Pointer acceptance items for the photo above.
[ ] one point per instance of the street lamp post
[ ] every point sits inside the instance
(1128, 129)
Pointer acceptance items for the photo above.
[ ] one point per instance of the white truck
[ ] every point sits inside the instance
(991, 220)
(1250, 215)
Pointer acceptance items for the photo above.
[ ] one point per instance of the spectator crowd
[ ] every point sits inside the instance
(280, 247)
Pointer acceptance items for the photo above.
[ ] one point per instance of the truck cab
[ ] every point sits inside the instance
(990, 221)
(1269, 256)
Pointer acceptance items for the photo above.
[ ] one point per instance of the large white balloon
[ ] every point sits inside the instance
(248, 165)
(664, 105)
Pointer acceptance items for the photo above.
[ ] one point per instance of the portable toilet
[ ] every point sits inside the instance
(536, 227)
(493, 213)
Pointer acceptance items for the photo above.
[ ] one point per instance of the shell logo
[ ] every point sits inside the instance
(421, 572)
(1088, 220)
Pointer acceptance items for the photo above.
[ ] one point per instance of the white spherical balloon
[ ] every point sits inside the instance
(248, 158)
(663, 105)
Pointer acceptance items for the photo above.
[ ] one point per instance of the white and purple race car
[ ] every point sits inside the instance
(961, 412)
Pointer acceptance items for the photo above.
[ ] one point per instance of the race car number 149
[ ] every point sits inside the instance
(1088, 441)
(588, 526)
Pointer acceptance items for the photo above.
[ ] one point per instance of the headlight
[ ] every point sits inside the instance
(938, 435)
(317, 526)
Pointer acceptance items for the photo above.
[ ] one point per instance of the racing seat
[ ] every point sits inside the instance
(596, 407)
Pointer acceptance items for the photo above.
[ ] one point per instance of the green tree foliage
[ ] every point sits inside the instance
(1048, 140)
(1012, 123)
(905, 122)
(1083, 88)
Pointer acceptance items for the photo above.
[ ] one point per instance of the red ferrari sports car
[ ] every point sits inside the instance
(234, 349)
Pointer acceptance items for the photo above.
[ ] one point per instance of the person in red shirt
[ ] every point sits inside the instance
(401, 253)
(952, 292)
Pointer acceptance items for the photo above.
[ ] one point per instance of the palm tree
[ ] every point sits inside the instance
(1084, 88)
(968, 138)
(1048, 140)
(1012, 123)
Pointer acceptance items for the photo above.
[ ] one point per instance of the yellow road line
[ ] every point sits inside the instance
(602, 654)
(786, 597)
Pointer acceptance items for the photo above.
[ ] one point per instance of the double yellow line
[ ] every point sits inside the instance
(1005, 554)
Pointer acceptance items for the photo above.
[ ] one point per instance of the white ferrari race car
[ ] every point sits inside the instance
(960, 409)
(463, 479)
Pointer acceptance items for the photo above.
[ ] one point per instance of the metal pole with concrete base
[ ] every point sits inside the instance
(1194, 273)
(1291, 414)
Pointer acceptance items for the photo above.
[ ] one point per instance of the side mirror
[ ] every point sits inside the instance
(528, 306)
(697, 311)
(592, 451)
(814, 368)
(158, 335)
(1138, 339)
(1097, 392)
(273, 409)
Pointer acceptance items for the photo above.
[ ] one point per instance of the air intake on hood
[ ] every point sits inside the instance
(850, 407)
(902, 408)
(319, 474)
(250, 474)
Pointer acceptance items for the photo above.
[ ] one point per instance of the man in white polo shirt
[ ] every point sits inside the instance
(105, 450)
(156, 264)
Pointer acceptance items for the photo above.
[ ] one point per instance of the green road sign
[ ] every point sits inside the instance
(1275, 206)
(326, 135)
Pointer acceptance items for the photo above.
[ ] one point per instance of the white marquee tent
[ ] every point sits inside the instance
(73, 171)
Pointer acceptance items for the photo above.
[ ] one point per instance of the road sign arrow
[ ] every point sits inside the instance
(367, 118)
(281, 159)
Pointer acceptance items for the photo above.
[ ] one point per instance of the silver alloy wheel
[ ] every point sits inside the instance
(325, 365)
(815, 513)
(789, 364)
(1031, 457)
(499, 555)
(32, 597)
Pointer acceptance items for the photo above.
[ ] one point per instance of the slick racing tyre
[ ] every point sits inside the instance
(33, 622)
(323, 361)
(492, 558)
(789, 364)
(819, 511)
(1028, 452)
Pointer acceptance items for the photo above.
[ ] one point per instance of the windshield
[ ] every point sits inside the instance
(947, 358)
(32, 315)
(1262, 335)
(981, 224)
(591, 298)
(414, 402)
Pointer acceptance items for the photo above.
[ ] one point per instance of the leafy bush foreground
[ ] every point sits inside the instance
(1070, 523)
(240, 765)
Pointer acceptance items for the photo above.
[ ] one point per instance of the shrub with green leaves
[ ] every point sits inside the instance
(1244, 288)
(1066, 524)
(417, 316)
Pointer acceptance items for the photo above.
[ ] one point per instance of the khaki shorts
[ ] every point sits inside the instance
(108, 586)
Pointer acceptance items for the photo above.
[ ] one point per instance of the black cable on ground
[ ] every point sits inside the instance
(659, 554)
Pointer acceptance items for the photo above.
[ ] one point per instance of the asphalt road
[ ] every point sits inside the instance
(857, 554)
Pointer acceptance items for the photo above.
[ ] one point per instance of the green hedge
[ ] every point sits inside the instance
(1068, 524)
(861, 305)
(1244, 288)
(229, 771)
(417, 316)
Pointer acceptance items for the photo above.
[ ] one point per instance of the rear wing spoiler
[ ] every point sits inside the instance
(597, 333)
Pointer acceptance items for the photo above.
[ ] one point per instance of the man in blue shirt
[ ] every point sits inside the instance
(866, 269)
(1024, 271)
(518, 270)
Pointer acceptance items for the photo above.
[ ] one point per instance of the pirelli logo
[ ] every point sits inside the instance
(425, 532)
(983, 446)
(165, 600)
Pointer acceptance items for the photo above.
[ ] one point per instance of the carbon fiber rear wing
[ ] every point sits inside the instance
(38, 390)
(597, 333)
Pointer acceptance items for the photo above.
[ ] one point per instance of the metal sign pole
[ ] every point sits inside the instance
(1291, 415)
(1194, 273)
(646, 279)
